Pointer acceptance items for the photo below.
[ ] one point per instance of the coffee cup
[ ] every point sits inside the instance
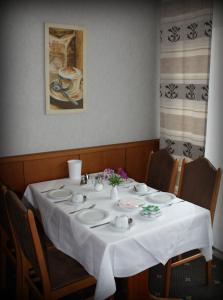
(141, 187)
(121, 221)
(78, 198)
(69, 79)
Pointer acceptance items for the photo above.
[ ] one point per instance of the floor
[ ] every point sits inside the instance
(188, 283)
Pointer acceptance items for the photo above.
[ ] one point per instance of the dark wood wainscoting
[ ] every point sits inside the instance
(18, 171)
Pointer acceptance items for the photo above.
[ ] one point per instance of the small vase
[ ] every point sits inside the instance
(114, 193)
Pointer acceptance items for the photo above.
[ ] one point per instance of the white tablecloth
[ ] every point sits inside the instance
(106, 253)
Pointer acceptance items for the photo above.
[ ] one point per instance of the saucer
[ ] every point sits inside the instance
(134, 191)
(59, 95)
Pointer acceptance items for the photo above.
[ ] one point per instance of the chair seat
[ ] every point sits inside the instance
(45, 272)
(63, 270)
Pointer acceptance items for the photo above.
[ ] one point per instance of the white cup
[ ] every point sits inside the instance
(141, 187)
(78, 198)
(74, 169)
(122, 221)
(98, 187)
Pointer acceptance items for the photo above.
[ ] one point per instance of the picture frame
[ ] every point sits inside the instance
(64, 68)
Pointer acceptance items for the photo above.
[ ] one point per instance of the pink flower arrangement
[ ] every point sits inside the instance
(108, 172)
(122, 173)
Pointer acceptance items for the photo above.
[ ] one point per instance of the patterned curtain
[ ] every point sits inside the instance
(184, 74)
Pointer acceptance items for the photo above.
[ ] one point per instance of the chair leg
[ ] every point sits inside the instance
(167, 278)
(208, 272)
(24, 290)
(19, 282)
(3, 268)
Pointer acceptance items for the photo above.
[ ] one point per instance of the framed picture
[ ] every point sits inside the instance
(64, 67)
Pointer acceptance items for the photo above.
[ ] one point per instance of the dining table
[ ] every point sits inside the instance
(110, 251)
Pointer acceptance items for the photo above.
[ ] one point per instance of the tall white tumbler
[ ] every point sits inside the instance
(74, 169)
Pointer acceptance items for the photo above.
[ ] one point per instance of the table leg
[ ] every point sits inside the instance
(138, 288)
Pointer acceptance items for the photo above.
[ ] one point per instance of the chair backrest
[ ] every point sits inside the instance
(4, 220)
(26, 234)
(3, 214)
(199, 183)
(161, 171)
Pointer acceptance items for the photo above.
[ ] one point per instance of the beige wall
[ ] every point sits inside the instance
(121, 70)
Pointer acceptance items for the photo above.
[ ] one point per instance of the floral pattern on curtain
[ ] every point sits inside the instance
(185, 35)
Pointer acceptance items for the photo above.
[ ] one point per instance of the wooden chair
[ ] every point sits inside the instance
(7, 247)
(161, 171)
(199, 184)
(59, 274)
(8, 253)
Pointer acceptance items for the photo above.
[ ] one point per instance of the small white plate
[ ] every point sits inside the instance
(160, 198)
(92, 216)
(62, 194)
(119, 229)
(130, 204)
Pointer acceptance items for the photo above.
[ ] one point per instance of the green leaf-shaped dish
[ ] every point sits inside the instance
(150, 209)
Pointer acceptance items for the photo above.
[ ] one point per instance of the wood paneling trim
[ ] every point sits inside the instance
(47, 168)
(51, 154)
(12, 174)
(137, 159)
(18, 171)
(97, 161)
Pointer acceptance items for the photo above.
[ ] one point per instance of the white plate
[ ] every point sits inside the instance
(160, 198)
(92, 216)
(118, 229)
(63, 194)
(150, 216)
(140, 193)
(130, 203)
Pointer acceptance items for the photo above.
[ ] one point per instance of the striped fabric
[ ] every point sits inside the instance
(184, 74)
